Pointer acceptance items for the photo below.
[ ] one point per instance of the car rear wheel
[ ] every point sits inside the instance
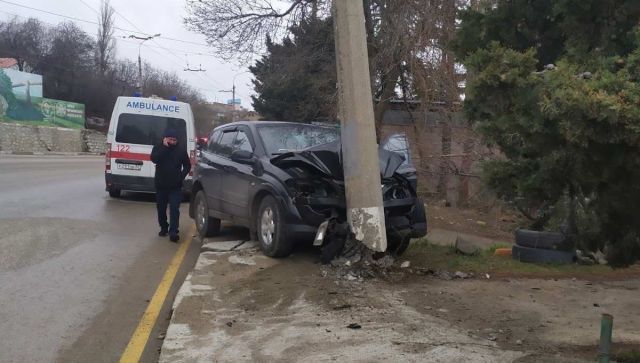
(115, 193)
(271, 230)
(207, 226)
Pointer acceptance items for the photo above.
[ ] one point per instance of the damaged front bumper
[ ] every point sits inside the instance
(403, 217)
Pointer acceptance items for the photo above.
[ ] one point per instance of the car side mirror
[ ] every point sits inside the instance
(243, 157)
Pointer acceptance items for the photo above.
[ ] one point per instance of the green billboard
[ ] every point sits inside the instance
(62, 113)
(21, 101)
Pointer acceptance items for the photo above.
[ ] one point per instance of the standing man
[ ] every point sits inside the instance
(172, 166)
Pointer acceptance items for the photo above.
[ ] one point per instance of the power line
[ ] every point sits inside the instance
(93, 37)
(181, 51)
(159, 45)
(138, 31)
(90, 7)
(95, 23)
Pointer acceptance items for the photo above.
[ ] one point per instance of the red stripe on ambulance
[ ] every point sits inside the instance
(130, 156)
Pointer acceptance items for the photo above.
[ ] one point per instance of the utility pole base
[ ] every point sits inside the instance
(366, 225)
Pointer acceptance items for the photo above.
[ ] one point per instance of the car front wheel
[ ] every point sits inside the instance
(207, 226)
(397, 245)
(272, 233)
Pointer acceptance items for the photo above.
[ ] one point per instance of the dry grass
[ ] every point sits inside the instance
(424, 254)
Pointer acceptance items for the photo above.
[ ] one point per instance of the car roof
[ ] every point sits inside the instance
(266, 123)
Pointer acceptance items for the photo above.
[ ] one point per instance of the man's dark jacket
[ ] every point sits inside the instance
(172, 166)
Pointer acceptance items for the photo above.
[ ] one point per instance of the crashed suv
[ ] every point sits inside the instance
(284, 180)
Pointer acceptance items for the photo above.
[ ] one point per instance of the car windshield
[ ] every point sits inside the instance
(279, 139)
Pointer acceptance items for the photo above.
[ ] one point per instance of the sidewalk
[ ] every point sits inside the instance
(240, 306)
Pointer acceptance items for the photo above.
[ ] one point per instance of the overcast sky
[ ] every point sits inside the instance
(152, 17)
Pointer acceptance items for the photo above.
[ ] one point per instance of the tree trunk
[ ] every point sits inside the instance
(387, 93)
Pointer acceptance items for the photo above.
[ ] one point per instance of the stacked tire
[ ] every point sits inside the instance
(542, 247)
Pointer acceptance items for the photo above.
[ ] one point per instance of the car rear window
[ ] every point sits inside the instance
(148, 129)
(279, 139)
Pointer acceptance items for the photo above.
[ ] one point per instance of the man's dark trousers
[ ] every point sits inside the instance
(172, 197)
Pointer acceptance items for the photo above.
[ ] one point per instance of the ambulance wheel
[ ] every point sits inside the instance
(115, 193)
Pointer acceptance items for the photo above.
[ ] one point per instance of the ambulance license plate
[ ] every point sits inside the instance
(129, 166)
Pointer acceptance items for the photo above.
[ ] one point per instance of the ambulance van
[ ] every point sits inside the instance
(137, 124)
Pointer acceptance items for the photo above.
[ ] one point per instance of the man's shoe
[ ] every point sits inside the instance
(174, 238)
(163, 233)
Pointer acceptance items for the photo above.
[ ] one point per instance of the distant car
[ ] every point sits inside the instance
(282, 180)
(202, 140)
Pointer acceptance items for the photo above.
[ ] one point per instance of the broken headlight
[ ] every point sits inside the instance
(395, 189)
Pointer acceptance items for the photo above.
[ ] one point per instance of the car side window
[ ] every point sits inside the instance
(242, 142)
(225, 145)
(213, 140)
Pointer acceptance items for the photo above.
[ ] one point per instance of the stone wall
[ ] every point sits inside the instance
(16, 138)
(94, 141)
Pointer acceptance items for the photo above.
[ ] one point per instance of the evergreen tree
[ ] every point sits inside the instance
(555, 86)
(296, 80)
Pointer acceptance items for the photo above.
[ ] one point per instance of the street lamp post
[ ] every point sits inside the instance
(233, 94)
(142, 39)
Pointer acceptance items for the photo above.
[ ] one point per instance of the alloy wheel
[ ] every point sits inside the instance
(267, 226)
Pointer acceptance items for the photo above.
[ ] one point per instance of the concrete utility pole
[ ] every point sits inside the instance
(143, 39)
(365, 211)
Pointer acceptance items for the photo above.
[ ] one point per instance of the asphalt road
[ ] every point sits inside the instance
(77, 268)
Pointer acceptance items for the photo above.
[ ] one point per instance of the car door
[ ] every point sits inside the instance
(238, 178)
(210, 171)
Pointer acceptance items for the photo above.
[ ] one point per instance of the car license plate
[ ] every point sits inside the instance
(129, 166)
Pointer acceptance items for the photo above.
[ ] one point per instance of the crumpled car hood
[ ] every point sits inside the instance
(327, 159)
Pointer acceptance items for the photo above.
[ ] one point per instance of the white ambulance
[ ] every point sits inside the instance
(137, 124)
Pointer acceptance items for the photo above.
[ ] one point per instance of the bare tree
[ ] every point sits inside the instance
(238, 29)
(23, 41)
(105, 44)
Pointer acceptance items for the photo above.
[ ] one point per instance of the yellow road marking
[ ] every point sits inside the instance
(141, 335)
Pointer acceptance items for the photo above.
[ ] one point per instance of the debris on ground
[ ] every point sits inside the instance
(599, 257)
(354, 326)
(583, 259)
(462, 275)
(591, 258)
(405, 264)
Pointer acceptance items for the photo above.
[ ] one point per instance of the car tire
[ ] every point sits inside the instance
(397, 245)
(418, 219)
(272, 233)
(115, 193)
(206, 225)
(537, 255)
(541, 240)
